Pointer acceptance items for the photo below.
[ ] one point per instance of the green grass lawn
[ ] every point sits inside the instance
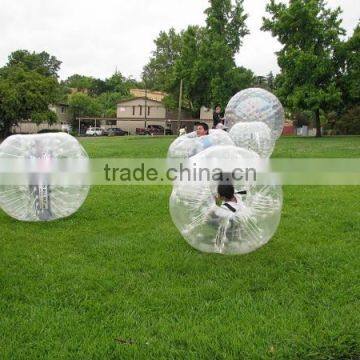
(117, 281)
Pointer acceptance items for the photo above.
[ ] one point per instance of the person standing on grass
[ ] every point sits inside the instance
(217, 117)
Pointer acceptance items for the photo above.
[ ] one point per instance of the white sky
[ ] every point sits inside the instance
(93, 38)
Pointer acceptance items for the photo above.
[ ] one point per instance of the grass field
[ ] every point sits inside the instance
(117, 281)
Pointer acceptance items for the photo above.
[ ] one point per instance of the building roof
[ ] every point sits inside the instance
(138, 98)
(153, 95)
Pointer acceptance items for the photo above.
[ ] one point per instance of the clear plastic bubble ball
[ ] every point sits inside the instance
(189, 145)
(209, 227)
(255, 136)
(40, 200)
(258, 105)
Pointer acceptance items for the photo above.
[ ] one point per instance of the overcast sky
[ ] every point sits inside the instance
(96, 37)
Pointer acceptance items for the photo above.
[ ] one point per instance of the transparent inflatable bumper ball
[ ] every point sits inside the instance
(256, 105)
(189, 145)
(210, 228)
(255, 136)
(37, 198)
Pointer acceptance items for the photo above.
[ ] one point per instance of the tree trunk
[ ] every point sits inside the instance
(317, 123)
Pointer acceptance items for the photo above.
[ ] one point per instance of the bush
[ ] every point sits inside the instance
(349, 122)
(302, 118)
(74, 133)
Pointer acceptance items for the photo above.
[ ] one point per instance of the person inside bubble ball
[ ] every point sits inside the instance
(202, 129)
(227, 203)
(227, 198)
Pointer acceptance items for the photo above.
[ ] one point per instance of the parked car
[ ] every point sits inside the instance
(116, 132)
(94, 131)
(153, 130)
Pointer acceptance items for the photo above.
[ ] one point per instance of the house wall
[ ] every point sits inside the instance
(63, 115)
(62, 112)
(32, 128)
(206, 114)
(135, 109)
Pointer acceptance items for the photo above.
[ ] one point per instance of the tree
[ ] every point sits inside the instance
(174, 59)
(118, 84)
(43, 63)
(107, 103)
(265, 82)
(343, 119)
(349, 74)
(203, 57)
(349, 121)
(260, 81)
(310, 34)
(28, 85)
(44, 117)
(96, 97)
(186, 68)
(225, 24)
(225, 28)
(270, 79)
(98, 87)
(80, 82)
(83, 105)
(9, 105)
(157, 73)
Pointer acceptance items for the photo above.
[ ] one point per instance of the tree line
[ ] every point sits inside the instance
(319, 81)
(29, 83)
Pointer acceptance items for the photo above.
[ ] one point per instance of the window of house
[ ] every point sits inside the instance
(148, 109)
(133, 110)
(63, 109)
(140, 110)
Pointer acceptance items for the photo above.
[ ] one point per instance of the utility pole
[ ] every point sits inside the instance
(145, 106)
(180, 103)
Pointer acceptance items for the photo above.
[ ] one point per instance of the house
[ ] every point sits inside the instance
(64, 119)
(142, 111)
(62, 112)
(141, 108)
(206, 116)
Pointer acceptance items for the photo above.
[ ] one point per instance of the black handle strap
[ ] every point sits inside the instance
(230, 207)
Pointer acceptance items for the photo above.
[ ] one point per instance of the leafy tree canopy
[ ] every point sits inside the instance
(310, 34)
(28, 85)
